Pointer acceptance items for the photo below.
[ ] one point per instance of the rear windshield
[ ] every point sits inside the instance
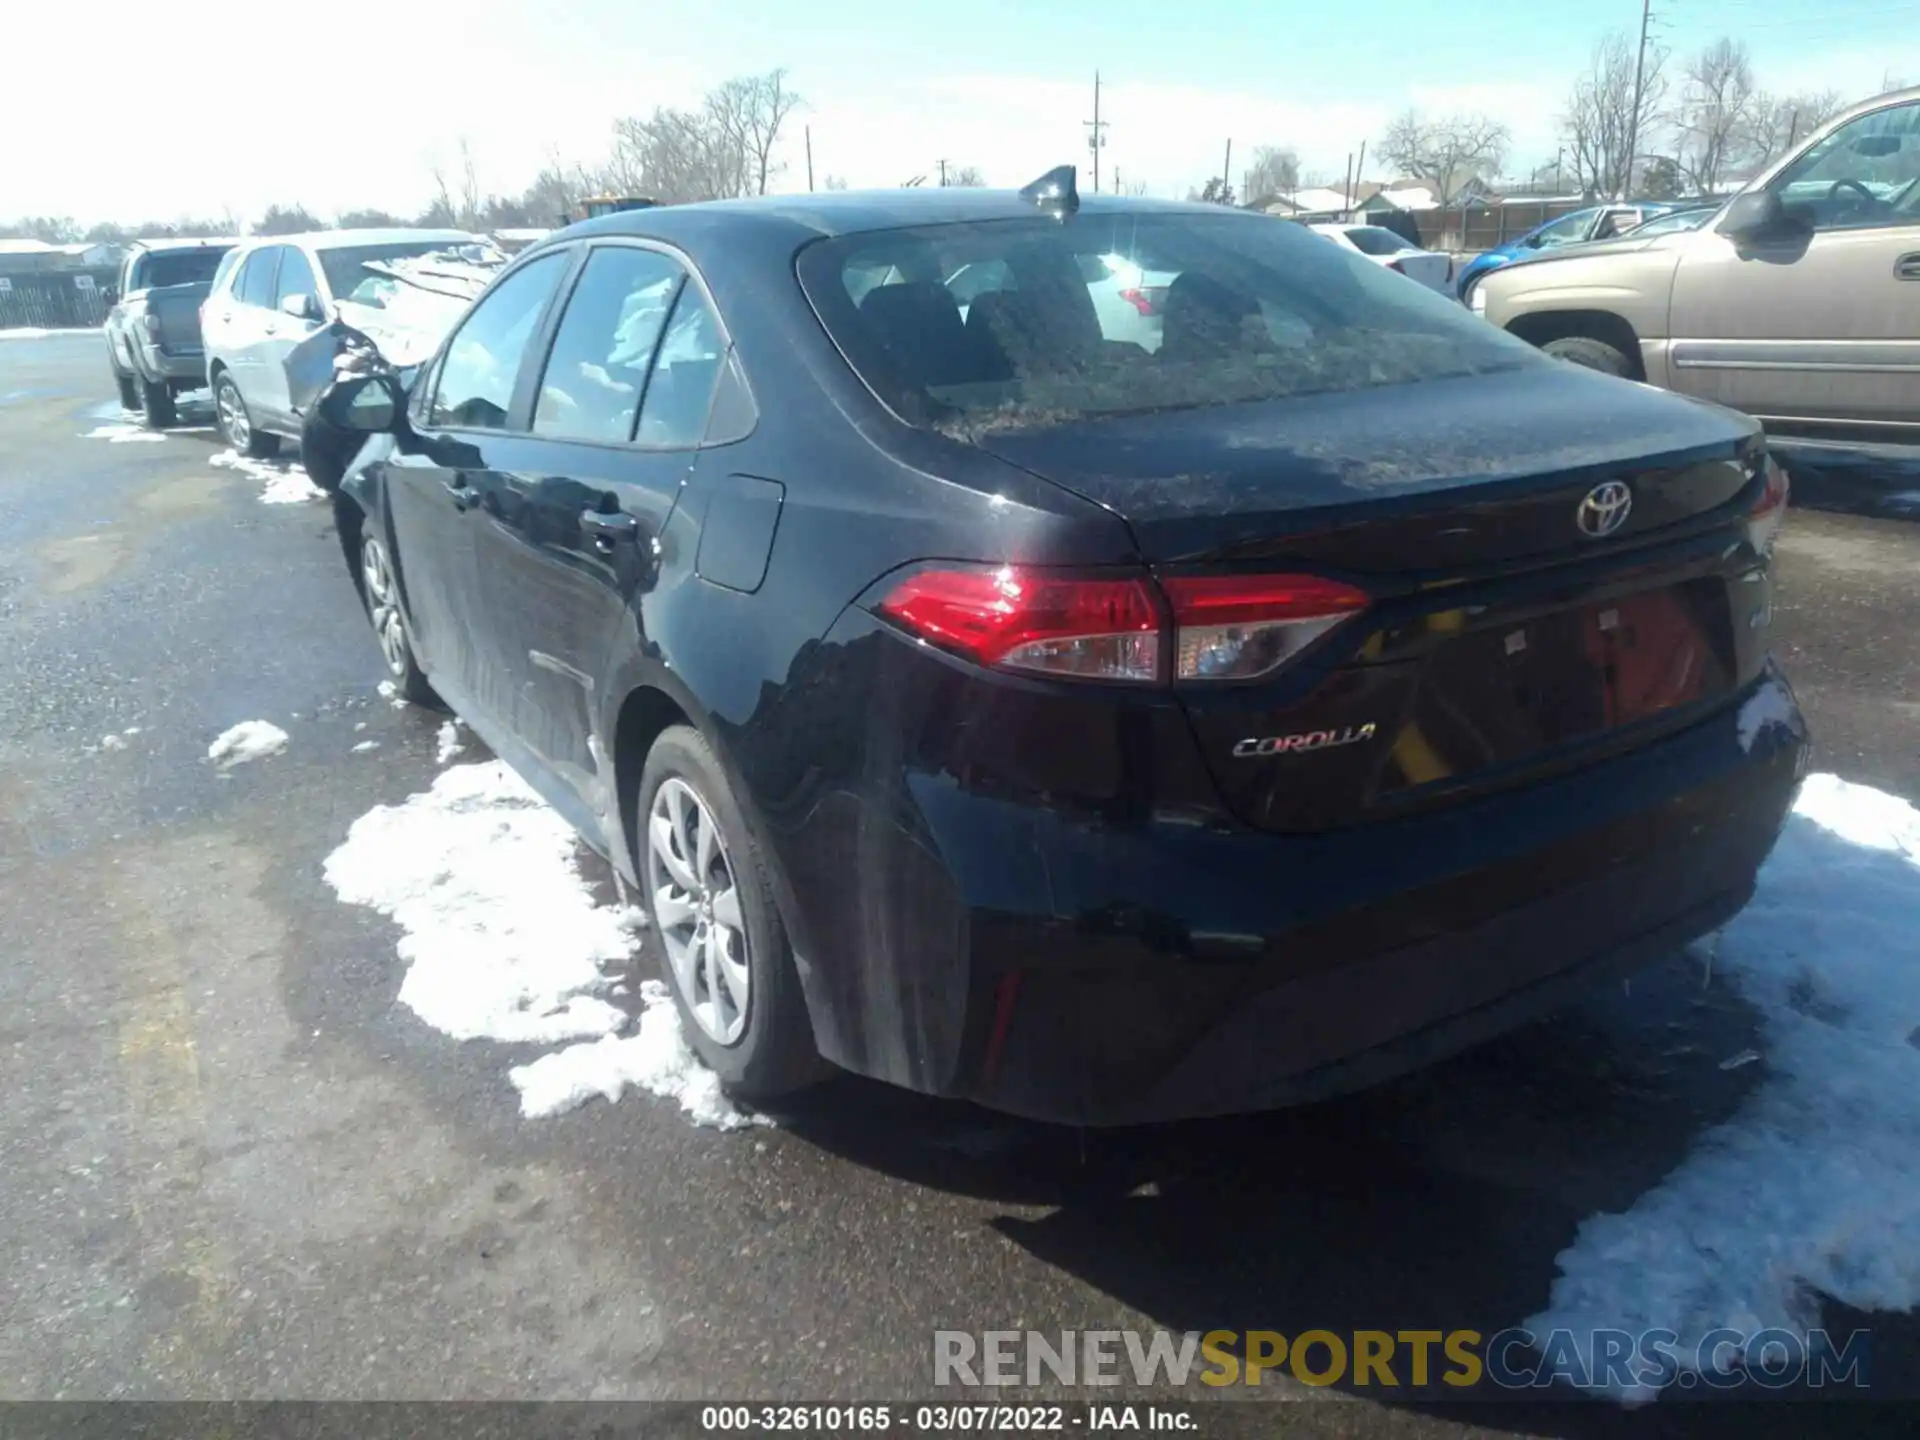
(349, 279)
(177, 267)
(1372, 240)
(1032, 321)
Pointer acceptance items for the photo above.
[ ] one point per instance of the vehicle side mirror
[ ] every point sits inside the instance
(301, 307)
(1756, 214)
(367, 404)
(111, 294)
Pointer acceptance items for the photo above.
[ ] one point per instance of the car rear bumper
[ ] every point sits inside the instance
(1096, 974)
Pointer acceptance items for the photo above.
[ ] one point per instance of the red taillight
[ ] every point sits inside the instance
(1235, 627)
(1769, 512)
(1090, 629)
(1224, 627)
(1145, 299)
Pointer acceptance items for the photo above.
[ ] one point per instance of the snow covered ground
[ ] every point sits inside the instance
(123, 434)
(1813, 1188)
(282, 482)
(246, 742)
(29, 332)
(504, 940)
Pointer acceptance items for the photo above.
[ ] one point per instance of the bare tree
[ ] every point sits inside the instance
(833, 182)
(1445, 153)
(287, 220)
(48, 229)
(966, 177)
(1601, 126)
(1275, 169)
(769, 103)
(1715, 114)
(1779, 122)
(368, 219)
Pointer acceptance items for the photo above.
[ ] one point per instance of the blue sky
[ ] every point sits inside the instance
(891, 87)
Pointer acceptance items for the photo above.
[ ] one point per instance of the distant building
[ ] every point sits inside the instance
(37, 257)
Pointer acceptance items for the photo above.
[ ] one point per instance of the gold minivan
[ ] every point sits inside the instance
(1798, 303)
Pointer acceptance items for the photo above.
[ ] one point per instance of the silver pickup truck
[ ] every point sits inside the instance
(153, 329)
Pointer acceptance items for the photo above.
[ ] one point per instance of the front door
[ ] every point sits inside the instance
(1820, 324)
(566, 534)
(435, 481)
(283, 331)
(253, 291)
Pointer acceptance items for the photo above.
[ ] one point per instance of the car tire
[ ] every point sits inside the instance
(129, 392)
(235, 422)
(727, 922)
(377, 578)
(1593, 354)
(156, 404)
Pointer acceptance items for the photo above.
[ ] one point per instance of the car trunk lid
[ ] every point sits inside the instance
(1503, 638)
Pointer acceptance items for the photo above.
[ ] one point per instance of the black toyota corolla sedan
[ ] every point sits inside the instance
(1107, 700)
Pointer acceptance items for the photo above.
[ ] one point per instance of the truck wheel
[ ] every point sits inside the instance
(728, 962)
(236, 425)
(1594, 354)
(156, 404)
(129, 392)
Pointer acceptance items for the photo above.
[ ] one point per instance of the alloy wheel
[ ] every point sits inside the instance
(232, 414)
(383, 605)
(696, 905)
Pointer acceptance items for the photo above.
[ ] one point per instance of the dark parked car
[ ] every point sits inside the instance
(1008, 711)
(153, 329)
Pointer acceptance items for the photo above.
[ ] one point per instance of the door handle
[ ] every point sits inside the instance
(609, 528)
(1907, 267)
(463, 495)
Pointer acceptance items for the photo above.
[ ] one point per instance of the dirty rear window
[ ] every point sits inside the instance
(1032, 321)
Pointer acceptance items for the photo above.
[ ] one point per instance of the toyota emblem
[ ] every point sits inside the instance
(1604, 510)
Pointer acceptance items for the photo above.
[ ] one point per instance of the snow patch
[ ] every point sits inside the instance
(503, 940)
(365, 745)
(247, 741)
(390, 692)
(112, 742)
(280, 484)
(1769, 705)
(1813, 1188)
(449, 742)
(123, 434)
(655, 1059)
(30, 332)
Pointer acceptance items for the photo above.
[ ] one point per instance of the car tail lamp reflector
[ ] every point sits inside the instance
(1770, 511)
(1146, 299)
(1014, 619)
(1208, 627)
(1236, 627)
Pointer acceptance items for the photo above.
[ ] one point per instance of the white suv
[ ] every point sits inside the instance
(274, 293)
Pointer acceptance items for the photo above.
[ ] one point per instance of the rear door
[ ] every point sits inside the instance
(566, 529)
(294, 281)
(1821, 325)
(246, 326)
(460, 420)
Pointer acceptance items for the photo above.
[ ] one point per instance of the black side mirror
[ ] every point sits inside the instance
(369, 404)
(1755, 215)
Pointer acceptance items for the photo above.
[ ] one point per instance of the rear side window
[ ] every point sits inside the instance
(591, 387)
(1372, 240)
(474, 390)
(680, 389)
(175, 267)
(1114, 314)
(255, 285)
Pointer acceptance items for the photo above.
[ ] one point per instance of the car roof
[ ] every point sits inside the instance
(345, 239)
(850, 212)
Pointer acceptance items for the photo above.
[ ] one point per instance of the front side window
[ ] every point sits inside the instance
(1226, 309)
(255, 285)
(474, 390)
(1374, 240)
(296, 276)
(1865, 173)
(591, 387)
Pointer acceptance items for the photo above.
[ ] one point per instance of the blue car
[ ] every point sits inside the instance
(1598, 222)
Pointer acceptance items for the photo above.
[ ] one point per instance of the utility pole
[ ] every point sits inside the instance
(1226, 169)
(1639, 82)
(1793, 128)
(1346, 186)
(1096, 132)
(943, 173)
(809, 134)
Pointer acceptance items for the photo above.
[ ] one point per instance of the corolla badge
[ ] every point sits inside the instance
(1306, 740)
(1605, 509)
